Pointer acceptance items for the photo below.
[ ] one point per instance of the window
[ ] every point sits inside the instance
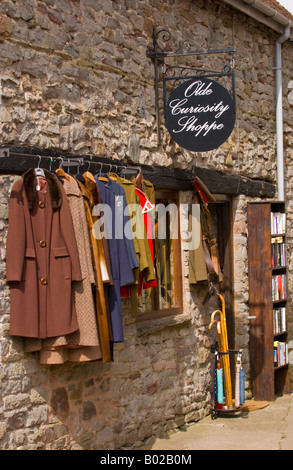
(166, 298)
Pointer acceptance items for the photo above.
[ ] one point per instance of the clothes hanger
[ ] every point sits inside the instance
(129, 171)
(113, 176)
(79, 176)
(102, 178)
(55, 174)
(68, 169)
(39, 171)
(89, 175)
(61, 172)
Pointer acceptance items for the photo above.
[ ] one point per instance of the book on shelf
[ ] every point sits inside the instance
(279, 320)
(278, 252)
(278, 223)
(279, 287)
(280, 353)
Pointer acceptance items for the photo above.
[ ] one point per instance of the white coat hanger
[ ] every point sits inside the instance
(39, 171)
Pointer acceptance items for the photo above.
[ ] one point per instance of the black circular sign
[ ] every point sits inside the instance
(200, 115)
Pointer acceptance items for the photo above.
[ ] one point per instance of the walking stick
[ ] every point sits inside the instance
(237, 383)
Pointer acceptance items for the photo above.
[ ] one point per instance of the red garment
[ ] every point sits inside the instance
(147, 206)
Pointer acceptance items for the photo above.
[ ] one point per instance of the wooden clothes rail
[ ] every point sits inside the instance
(161, 177)
(16, 160)
(9, 160)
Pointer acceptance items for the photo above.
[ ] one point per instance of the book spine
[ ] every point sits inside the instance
(280, 353)
(279, 287)
(278, 223)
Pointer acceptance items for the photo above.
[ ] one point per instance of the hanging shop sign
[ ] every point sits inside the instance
(200, 114)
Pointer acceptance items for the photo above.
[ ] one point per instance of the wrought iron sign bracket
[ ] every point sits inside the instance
(174, 74)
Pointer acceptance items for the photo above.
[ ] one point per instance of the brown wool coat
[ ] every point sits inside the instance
(83, 344)
(41, 260)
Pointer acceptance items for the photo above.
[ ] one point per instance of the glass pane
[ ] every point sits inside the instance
(167, 261)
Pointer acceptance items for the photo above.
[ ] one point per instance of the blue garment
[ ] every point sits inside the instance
(124, 224)
(122, 262)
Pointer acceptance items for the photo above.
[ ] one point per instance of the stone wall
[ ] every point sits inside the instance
(160, 379)
(288, 156)
(75, 78)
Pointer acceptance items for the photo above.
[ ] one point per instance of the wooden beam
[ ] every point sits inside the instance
(216, 182)
(221, 183)
(160, 177)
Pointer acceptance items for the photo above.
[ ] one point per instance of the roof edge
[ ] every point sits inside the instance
(262, 13)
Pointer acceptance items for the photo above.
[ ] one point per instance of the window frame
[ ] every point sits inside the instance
(157, 312)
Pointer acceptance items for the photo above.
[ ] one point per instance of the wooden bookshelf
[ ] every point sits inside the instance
(267, 272)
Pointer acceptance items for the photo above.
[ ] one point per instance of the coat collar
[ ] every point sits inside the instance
(88, 191)
(71, 187)
(93, 190)
(29, 180)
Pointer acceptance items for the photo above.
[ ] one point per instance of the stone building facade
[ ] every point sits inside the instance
(75, 77)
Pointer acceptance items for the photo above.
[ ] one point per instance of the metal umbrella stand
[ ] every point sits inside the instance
(222, 354)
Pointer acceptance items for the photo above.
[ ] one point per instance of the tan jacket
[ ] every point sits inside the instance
(99, 263)
(143, 252)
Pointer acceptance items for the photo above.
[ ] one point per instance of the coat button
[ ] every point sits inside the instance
(44, 281)
(42, 204)
(42, 244)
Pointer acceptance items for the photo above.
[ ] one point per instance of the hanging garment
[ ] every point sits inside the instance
(100, 263)
(92, 197)
(122, 221)
(149, 190)
(145, 269)
(42, 259)
(139, 232)
(203, 261)
(123, 225)
(120, 266)
(145, 197)
(85, 340)
(147, 207)
(197, 264)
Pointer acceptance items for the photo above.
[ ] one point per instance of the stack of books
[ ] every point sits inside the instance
(278, 223)
(279, 319)
(278, 252)
(279, 287)
(280, 353)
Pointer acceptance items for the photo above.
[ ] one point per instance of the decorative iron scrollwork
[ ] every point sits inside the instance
(164, 47)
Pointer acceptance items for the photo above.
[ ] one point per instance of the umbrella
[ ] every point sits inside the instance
(223, 349)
